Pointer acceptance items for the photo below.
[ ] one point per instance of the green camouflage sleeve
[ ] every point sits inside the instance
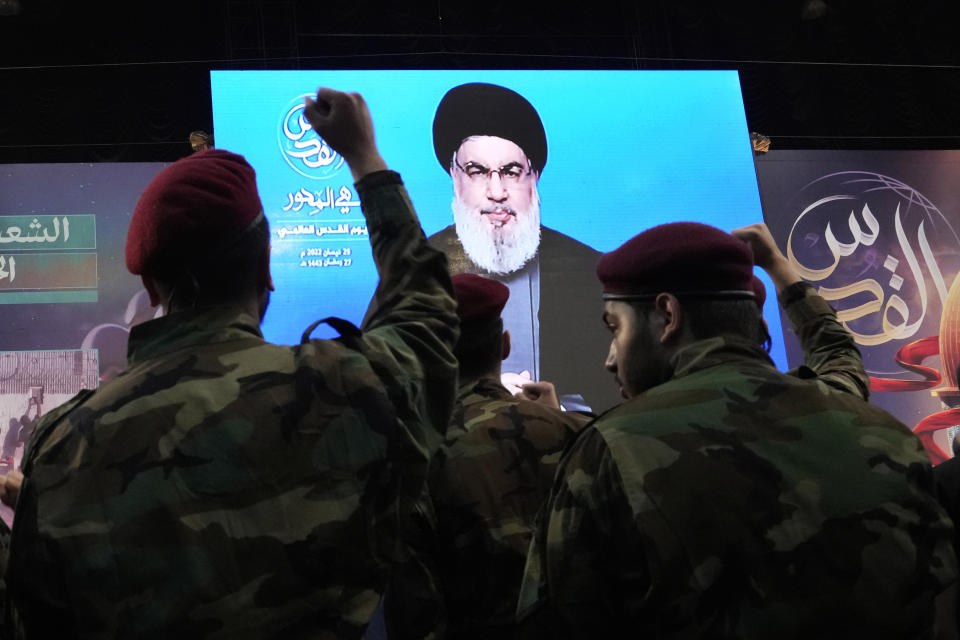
(830, 353)
(47, 421)
(412, 323)
(582, 543)
(414, 603)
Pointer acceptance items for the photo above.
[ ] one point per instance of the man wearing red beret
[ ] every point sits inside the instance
(724, 499)
(487, 482)
(222, 485)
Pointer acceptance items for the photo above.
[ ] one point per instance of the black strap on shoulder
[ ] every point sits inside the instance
(349, 332)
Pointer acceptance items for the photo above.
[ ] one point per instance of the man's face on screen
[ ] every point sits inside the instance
(496, 206)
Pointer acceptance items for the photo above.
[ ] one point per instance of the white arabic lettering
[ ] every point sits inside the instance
(904, 330)
(313, 152)
(837, 248)
(317, 201)
(12, 273)
(301, 123)
(891, 330)
(345, 200)
(314, 147)
(932, 265)
(15, 233)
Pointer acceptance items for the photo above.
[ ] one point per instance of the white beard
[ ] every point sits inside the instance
(498, 250)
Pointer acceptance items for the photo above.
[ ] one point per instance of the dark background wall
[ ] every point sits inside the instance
(107, 81)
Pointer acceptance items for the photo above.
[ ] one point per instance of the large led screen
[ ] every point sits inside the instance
(624, 150)
(621, 151)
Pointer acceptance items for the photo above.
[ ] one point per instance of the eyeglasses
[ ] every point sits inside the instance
(509, 173)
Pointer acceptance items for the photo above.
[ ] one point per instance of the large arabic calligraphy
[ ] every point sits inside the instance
(886, 257)
(314, 230)
(317, 201)
(877, 299)
(14, 233)
(302, 148)
(8, 272)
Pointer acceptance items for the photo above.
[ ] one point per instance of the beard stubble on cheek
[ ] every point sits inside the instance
(642, 367)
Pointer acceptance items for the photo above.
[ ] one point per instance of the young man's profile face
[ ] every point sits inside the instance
(636, 359)
(496, 206)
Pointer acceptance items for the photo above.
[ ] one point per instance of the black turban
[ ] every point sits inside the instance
(480, 109)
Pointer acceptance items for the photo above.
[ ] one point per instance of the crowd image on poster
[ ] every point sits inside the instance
(877, 234)
(32, 383)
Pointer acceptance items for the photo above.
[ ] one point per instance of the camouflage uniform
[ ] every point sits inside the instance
(830, 353)
(493, 475)
(226, 487)
(737, 502)
(486, 485)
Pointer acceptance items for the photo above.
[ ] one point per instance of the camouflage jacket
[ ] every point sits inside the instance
(226, 487)
(492, 476)
(830, 353)
(734, 501)
(487, 483)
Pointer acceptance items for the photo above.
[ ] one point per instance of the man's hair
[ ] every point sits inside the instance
(711, 317)
(479, 348)
(200, 139)
(227, 274)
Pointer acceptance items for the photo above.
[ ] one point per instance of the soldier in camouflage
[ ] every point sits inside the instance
(487, 483)
(830, 353)
(724, 499)
(223, 486)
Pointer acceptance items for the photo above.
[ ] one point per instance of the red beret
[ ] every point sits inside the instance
(680, 257)
(479, 298)
(190, 208)
(759, 292)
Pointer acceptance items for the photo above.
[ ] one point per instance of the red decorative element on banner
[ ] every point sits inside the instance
(909, 357)
(932, 423)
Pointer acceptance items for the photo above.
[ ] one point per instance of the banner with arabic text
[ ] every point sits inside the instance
(64, 284)
(877, 234)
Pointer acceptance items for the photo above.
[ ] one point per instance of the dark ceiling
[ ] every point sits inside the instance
(111, 81)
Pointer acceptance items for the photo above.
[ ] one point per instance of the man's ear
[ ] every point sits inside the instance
(669, 313)
(151, 286)
(505, 345)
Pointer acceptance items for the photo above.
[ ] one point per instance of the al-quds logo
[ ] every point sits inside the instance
(879, 250)
(887, 259)
(302, 148)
